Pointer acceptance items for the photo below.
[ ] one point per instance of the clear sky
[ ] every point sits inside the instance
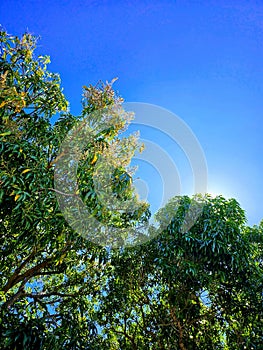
(202, 60)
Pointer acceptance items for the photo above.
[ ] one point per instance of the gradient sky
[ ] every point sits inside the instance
(202, 60)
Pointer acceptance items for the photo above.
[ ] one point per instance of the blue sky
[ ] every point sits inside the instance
(202, 60)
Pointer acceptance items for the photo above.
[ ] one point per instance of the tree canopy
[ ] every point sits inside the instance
(191, 287)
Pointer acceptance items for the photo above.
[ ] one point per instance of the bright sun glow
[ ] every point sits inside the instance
(216, 190)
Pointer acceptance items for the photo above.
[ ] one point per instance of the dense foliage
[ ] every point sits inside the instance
(199, 288)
